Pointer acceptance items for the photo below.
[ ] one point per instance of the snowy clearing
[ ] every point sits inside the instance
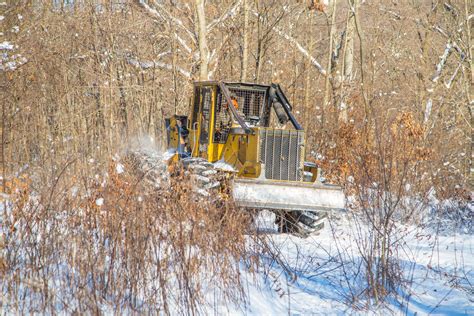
(439, 268)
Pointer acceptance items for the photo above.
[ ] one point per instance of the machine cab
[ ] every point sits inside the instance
(249, 126)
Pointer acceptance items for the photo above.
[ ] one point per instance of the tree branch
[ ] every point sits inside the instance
(230, 12)
(298, 46)
(442, 62)
(154, 12)
(147, 64)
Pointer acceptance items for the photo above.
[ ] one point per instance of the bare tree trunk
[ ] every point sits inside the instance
(308, 72)
(349, 49)
(245, 51)
(203, 49)
(469, 96)
(259, 52)
(332, 16)
(3, 148)
(468, 28)
(175, 74)
(348, 56)
(258, 57)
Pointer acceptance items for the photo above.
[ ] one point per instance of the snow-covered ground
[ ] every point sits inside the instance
(322, 272)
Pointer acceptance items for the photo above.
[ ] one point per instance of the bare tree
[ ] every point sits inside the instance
(245, 48)
(468, 18)
(331, 20)
(348, 62)
(203, 49)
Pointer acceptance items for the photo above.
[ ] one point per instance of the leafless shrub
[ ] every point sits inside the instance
(385, 166)
(117, 244)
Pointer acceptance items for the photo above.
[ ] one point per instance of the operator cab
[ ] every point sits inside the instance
(220, 109)
(253, 104)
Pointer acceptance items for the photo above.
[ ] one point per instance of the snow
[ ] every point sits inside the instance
(147, 64)
(119, 168)
(318, 275)
(429, 105)
(4, 197)
(99, 201)
(12, 63)
(6, 46)
(167, 155)
(440, 269)
(224, 166)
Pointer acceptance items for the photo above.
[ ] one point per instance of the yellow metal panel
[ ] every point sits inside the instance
(241, 151)
(173, 134)
(197, 132)
(212, 148)
(251, 167)
(231, 151)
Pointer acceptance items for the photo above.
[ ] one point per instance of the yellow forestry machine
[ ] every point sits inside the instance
(249, 130)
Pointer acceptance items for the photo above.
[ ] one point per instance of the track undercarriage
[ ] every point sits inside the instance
(216, 184)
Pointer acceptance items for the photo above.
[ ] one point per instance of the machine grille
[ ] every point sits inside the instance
(282, 153)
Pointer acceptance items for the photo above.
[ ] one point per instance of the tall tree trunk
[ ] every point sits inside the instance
(348, 56)
(203, 49)
(332, 17)
(468, 29)
(245, 51)
(308, 72)
(349, 49)
(469, 83)
(175, 73)
(259, 52)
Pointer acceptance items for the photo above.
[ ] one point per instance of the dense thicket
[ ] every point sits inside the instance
(98, 74)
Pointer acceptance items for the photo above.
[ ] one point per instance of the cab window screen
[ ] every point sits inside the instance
(206, 111)
(197, 99)
(250, 101)
(223, 120)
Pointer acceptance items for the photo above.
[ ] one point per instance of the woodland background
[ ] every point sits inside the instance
(95, 74)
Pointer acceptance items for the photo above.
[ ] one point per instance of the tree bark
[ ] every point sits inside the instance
(469, 96)
(202, 33)
(348, 56)
(349, 49)
(258, 57)
(332, 17)
(245, 50)
(308, 72)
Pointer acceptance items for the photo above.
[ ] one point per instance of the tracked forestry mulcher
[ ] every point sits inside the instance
(249, 130)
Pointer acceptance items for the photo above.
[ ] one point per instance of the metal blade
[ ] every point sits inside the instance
(287, 195)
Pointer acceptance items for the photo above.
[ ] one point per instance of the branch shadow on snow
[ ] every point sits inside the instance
(340, 284)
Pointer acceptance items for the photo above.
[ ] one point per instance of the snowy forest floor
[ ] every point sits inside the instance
(322, 274)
